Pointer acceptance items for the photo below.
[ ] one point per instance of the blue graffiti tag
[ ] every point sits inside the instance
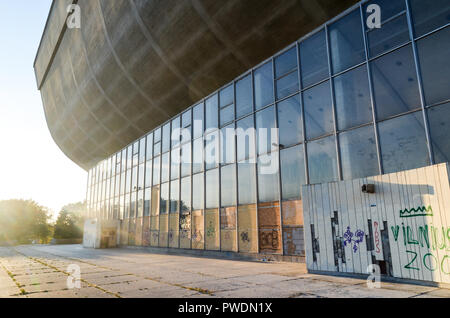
(350, 239)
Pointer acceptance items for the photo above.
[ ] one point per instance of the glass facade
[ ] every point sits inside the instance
(341, 103)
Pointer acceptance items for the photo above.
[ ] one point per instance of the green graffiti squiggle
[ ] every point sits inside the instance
(420, 211)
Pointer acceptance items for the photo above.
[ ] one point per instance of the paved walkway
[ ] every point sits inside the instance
(42, 271)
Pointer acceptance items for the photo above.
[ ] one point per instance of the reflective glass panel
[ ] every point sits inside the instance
(318, 111)
(322, 164)
(197, 192)
(314, 59)
(244, 104)
(212, 189)
(429, 15)
(268, 178)
(185, 194)
(286, 62)
(245, 136)
(164, 203)
(292, 172)
(263, 85)
(440, 131)
(211, 113)
(247, 183)
(290, 121)
(228, 185)
(265, 121)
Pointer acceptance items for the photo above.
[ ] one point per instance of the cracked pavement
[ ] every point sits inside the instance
(41, 271)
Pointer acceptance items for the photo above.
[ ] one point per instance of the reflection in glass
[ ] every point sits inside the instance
(292, 172)
(246, 183)
(346, 42)
(389, 36)
(290, 121)
(211, 113)
(352, 93)
(198, 120)
(164, 203)
(265, 121)
(395, 83)
(287, 85)
(314, 59)
(244, 104)
(165, 165)
(185, 195)
(156, 170)
(174, 196)
(197, 192)
(403, 143)
(166, 138)
(186, 159)
(212, 150)
(197, 160)
(228, 185)
(358, 153)
(322, 163)
(175, 164)
(268, 178)
(286, 62)
(212, 189)
(245, 136)
(440, 131)
(318, 111)
(263, 85)
(428, 17)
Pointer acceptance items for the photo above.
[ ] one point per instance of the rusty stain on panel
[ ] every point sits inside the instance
(292, 212)
(293, 241)
(269, 228)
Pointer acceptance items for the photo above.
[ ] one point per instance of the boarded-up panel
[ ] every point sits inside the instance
(185, 230)
(212, 231)
(164, 230)
(138, 238)
(146, 231)
(198, 230)
(174, 220)
(154, 231)
(269, 231)
(155, 201)
(404, 227)
(248, 230)
(228, 232)
(124, 232)
(293, 241)
(292, 213)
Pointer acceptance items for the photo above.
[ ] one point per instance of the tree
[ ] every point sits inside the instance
(69, 224)
(23, 221)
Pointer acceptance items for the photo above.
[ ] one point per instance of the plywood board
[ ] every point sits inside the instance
(247, 229)
(138, 238)
(174, 224)
(146, 231)
(198, 230)
(292, 212)
(185, 230)
(163, 230)
(212, 231)
(293, 241)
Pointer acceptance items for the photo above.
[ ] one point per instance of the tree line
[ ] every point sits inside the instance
(26, 222)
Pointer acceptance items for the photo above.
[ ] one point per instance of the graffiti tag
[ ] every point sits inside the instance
(354, 239)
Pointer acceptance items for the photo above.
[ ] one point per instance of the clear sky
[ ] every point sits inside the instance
(31, 164)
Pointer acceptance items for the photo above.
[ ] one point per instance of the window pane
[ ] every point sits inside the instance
(134, 179)
(322, 164)
(212, 150)
(198, 121)
(197, 192)
(186, 119)
(226, 96)
(197, 161)
(245, 133)
(390, 35)
(314, 59)
(290, 121)
(148, 174)
(186, 159)
(185, 194)
(318, 111)
(156, 170)
(226, 115)
(265, 121)
(165, 165)
(403, 143)
(263, 85)
(286, 62)
(440, 131)
(268, 178)
(164, 203)
(149, 152)
(147, 201)
(141, 176)
(175, 164)
(166, 138)
(346, 41)
(227, 144)
(428, 17)
(292, 172)
(176, 134)
(434, 52)
(228, 186)
(353, 104)
(247, 183)
(389, 8)
(395, 83)
(358, 153)
(212, 189)
(244, 104)
(288, 85)
(174, 196)
(140, 204)
(211, 115)
(142, 150)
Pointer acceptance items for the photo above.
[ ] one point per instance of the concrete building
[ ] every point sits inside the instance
(144, 96)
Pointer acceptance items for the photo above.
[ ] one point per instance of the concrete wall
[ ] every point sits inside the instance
(404, 226)
(101, 234)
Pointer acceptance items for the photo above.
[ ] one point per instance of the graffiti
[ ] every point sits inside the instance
(420, 211)
(426, 236)
(429, 261)
(197, 236)
(171, 236)
(211, 231)
(184, 234)
(377, 238)
(353, 239)
(269, 240)
(245, 237)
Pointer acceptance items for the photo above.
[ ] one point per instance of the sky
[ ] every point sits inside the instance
(31, 164)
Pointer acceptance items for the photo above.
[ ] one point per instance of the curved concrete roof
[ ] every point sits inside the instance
(136, 63)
